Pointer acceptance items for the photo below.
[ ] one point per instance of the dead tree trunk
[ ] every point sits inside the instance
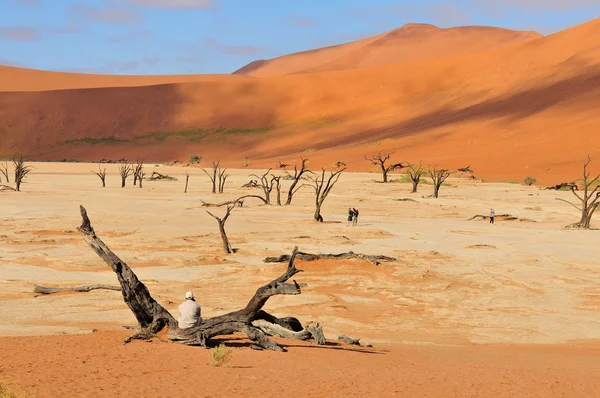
(125, 170)
(138, 171)
(296, 177)
(277, 187)
(222, 179)
(4, 170)
(141, 176)
(265, 184)
(213, 177)
(415, 173)
(226, 245)
(152, 317)
(438, 177)
(187, 178)
(380, 160)
(589, 200)
(21, 171)
(101, 173)
(322, 189)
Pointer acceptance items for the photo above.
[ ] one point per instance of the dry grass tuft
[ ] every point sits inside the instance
(219, 355)
(6, 392)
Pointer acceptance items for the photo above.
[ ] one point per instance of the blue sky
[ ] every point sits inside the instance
(219, 36)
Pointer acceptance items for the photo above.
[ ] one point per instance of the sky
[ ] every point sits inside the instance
(220, 36)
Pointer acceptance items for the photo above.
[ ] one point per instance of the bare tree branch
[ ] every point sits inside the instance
(322, 190)
(380, 160)
(298, 175)
(438, 177)
(415, 173)
(589, 200)
(101, 173)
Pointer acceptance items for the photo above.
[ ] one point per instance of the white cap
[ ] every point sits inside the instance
(189, 295)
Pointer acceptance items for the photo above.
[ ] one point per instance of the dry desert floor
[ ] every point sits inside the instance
(468, 309)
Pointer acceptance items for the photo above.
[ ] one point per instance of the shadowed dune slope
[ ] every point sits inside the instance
(521, 109)
(411, 42)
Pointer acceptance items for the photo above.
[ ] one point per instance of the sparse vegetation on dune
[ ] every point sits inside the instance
(529, 181)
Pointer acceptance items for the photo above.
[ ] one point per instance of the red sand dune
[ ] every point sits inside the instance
(411, 42)
(527, 108)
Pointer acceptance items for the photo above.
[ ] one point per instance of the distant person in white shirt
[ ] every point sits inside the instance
(492, 215)
(190, 313)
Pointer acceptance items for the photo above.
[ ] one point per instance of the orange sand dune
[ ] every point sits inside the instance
(100, 365)
(411, 42)
(522, 109)
(21, 79)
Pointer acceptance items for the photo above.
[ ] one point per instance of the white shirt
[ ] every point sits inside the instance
(189, 314)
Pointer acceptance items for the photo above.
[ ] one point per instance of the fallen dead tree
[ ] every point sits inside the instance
(157, 176)
(251, 184)
(152, 317)
(342, 256)
(239, 201)
(78, 289)
(563, 185)
(6, 188)
(500, 217)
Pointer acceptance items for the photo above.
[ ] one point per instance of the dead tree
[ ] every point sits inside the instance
(125, 170)
(275, 183)
(322, 189)
(265, 184)
(466, 169)
(438, 177)
(415, 173)
(251, 184)
(298, 174)
(589, 200)
(4, 170)
(157, 176)
(6, 188)
(152, 317)
(141, 175)
(138, 171)
(187, 178)
(101, 173)
(377, 259)
(562, 185)
(226, 245)
(213, 177)
(77, 289)
(222, 177)
(21, 171)
(381, 160)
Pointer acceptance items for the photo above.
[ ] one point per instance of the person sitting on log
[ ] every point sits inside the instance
(190, 313)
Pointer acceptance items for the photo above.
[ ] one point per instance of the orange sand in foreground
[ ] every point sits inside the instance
(100, 365)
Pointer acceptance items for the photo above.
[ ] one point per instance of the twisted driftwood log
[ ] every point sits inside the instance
(152, 317)
(342, 256)
(78, 289)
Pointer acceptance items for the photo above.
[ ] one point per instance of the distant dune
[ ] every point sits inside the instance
(411, 42)
(22, 79)
(508, 107)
